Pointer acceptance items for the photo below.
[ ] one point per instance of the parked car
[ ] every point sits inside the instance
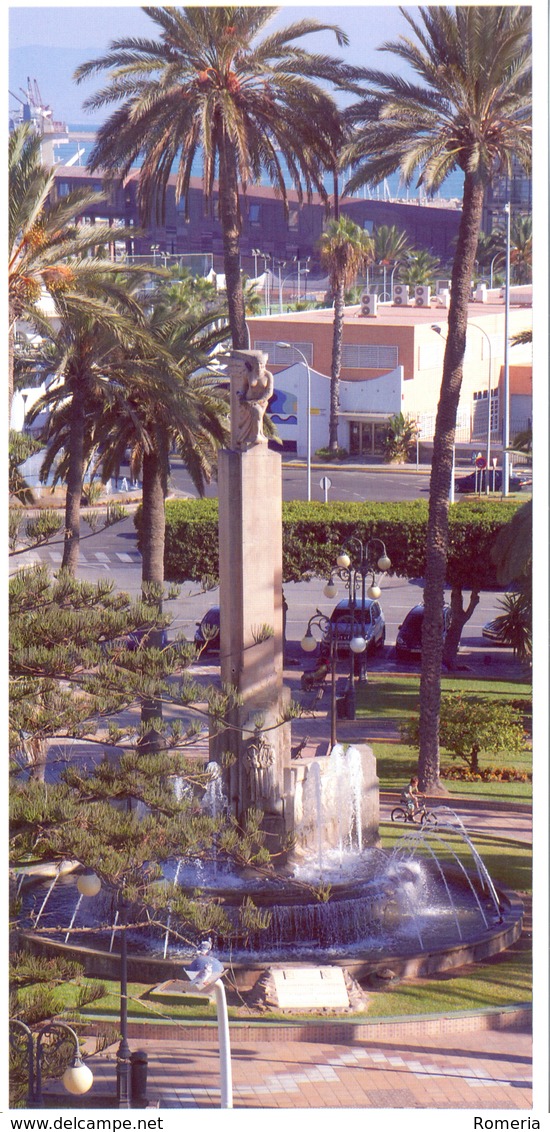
(132, 641)
(207, 634)
(409, 634)
(368, 622)
(494, 631)
(477, 481)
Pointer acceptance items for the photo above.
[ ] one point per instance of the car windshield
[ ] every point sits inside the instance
(358, 616)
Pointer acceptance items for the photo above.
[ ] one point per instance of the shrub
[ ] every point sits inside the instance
(471, 725)
(332, 454)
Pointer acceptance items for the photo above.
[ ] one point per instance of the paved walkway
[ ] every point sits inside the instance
(478, 1069)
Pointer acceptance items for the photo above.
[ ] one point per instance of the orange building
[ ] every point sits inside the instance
(410, 338)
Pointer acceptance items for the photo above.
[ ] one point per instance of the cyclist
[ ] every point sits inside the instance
(410, 796)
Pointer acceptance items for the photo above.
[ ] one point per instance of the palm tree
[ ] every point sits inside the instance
(391, 244)
(186, 411)
(420, 269)
(210, 84)
(47, 249)
(94, 346)
(521, 252)
(470, 109)
(345, 249)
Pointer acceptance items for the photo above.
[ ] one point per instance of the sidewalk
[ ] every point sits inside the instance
(478, 1069)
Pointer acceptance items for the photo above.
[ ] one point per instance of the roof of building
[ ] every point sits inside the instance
(389, 315)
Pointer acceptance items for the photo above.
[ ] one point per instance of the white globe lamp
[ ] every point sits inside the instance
(308, 643)
(330, 589)
(374, 592)
(88, 884)
(358, 644)
(384, 562)
(77, 1078)
(343, 561)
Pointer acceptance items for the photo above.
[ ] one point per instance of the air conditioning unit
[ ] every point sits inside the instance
(422, 296)
(400, 295)
(369, 305)
(442, 285)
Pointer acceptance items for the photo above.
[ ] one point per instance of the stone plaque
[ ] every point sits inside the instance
(306, 988)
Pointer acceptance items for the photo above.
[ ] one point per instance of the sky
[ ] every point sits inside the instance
(46, 43)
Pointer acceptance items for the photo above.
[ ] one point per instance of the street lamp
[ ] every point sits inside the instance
(291, 346)
(355, 576)
(506, 386)
(89, 884)
(77, 1078)
(309, 644)
(489, 391)
(279, 264)
(205, 972)
(437, 330)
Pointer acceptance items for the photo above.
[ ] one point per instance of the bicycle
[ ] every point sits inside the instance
(419, 816)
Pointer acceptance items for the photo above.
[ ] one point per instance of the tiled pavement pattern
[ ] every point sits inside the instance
(479, 1070)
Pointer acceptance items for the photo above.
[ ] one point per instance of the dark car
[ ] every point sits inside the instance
(347, 623)
(207, 635)
(495, 631)
(409, 634)
(477, 481)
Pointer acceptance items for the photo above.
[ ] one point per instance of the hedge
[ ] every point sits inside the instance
(313, 533)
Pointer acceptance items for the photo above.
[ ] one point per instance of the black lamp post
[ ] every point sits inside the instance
(89, 885)
(355, 576)
(77, 1078)
(309, 644)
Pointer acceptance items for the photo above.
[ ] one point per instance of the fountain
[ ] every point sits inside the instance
(338, 897)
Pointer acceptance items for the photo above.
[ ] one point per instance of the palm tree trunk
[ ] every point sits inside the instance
(337, 338)
(152, 567)
(11, 354)
(75, 480)
(231, 228)
(154, 522)
(442, 463)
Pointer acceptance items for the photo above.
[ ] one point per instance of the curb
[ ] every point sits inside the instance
(516, 1017)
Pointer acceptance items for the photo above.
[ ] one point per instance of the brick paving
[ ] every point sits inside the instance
(479, 1070)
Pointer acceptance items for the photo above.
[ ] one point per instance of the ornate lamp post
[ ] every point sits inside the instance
(355, 576)
(309, 644)
(77, 1078)
(89, 885)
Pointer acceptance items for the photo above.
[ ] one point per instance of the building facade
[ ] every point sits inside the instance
(392, 362)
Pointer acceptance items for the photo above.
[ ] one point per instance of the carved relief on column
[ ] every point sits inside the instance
(259, 762)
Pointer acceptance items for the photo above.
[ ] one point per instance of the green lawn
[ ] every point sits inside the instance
(396, 698)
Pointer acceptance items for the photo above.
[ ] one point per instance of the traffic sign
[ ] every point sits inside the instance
(481, 462)
(324, 484)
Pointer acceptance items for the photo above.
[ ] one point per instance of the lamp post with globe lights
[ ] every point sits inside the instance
(77, 1078)
(355, 576)
(89, 884)
(309, 644)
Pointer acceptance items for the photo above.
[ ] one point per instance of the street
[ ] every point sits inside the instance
(113, 553)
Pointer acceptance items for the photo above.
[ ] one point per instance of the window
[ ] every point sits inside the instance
(357, 356)
(255, 213)
(279, 356)
(368, 226)
(293, 219)
(63, 188)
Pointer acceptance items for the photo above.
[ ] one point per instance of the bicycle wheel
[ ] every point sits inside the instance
(428, 818)
(399, 814)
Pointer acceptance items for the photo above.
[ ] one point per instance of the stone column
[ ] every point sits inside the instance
(251, 613)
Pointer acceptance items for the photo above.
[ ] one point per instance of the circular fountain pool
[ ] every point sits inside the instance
(418, 908)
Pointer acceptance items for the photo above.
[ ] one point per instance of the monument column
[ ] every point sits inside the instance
(251, 613)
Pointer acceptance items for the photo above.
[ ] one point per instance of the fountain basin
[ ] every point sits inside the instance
(246, 972)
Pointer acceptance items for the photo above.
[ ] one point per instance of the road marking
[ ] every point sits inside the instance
(100, 554)
(135, 557)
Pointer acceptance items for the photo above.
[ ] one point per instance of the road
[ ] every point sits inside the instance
(379, 485)
(113, 553)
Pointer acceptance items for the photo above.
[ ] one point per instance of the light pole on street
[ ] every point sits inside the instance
(354, 575)
(291, 346)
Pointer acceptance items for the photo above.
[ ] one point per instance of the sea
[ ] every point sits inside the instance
(76, 150)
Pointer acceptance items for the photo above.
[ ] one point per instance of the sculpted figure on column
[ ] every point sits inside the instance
(251, 389)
